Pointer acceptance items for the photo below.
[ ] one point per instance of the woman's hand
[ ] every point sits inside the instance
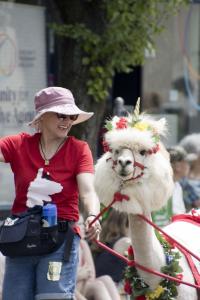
(92, 231)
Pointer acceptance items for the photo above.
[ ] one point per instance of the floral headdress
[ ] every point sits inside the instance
(139, 122)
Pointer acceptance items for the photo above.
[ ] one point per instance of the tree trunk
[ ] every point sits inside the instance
(73, 76)
(70, 71)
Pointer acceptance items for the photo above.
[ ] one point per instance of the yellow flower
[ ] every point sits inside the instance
(156, 293)
(141, 126)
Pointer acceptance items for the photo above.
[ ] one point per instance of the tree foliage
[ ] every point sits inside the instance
(128, 28)
(94, 40)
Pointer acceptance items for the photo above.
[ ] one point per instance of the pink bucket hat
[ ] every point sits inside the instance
(58, 100)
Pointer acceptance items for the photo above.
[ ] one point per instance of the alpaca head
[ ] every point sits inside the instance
(135, 163)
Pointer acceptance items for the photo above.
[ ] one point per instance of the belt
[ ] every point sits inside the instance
(63, 225)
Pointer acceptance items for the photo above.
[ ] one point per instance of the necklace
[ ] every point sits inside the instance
(47, 160)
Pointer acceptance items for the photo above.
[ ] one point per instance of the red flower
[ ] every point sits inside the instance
(127, 287)
(130, 252)
(122, 123)
(141, 297)
(105, 146)
(180, 277)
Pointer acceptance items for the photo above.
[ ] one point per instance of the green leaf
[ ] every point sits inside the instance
(109, 127)
(127, 28)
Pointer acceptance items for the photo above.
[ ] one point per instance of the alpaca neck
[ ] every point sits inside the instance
(147, 249)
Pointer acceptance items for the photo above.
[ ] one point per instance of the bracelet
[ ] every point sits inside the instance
(91, 215)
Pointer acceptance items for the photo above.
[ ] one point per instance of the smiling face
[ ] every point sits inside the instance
(54, 125)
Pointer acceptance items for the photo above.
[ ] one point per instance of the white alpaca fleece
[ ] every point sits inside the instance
(150, 191)
(130, 138)
(159, 126)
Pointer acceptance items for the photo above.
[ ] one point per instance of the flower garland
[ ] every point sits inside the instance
(135, 286)
(131, 122)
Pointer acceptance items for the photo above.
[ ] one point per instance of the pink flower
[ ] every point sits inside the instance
(180, 277)
(122, 123)
(127, 287)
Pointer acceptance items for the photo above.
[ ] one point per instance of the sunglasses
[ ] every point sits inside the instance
(63, 117)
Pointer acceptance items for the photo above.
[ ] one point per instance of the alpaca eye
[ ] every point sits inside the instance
(116, 151)
(143, 152)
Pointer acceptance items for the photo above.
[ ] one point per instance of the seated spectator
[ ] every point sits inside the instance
(115, 235)
(89, 286)
(119, 108)
(180, 166)
(190, 197)
(191, 184)
(184, 196)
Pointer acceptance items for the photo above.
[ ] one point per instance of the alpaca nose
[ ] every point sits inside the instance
(124, 162)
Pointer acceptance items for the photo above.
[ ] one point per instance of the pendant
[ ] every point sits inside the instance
(46, 162)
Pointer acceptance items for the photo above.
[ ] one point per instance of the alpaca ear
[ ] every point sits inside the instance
(160, 126)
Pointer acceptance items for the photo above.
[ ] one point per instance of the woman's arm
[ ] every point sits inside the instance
(90, 202)
(1, 156)
(87, 193)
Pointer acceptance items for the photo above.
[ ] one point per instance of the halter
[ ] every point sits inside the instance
(153, 150)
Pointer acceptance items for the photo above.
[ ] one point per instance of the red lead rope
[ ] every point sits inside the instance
(169, 238)
(120, 197)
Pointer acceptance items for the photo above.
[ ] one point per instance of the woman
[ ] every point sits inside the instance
(50, 166)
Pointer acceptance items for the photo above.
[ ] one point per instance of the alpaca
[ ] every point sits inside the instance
(137, 165)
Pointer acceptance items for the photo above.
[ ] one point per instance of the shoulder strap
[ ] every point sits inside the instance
(34, 210)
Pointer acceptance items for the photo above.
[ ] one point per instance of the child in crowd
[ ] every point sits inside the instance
(88, 285)
(115, 235)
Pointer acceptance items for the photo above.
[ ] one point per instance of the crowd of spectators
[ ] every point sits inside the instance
(185, 162)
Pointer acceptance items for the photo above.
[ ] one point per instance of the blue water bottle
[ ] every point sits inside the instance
(49, 215)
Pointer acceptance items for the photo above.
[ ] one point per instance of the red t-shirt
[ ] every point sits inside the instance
(27, 164)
